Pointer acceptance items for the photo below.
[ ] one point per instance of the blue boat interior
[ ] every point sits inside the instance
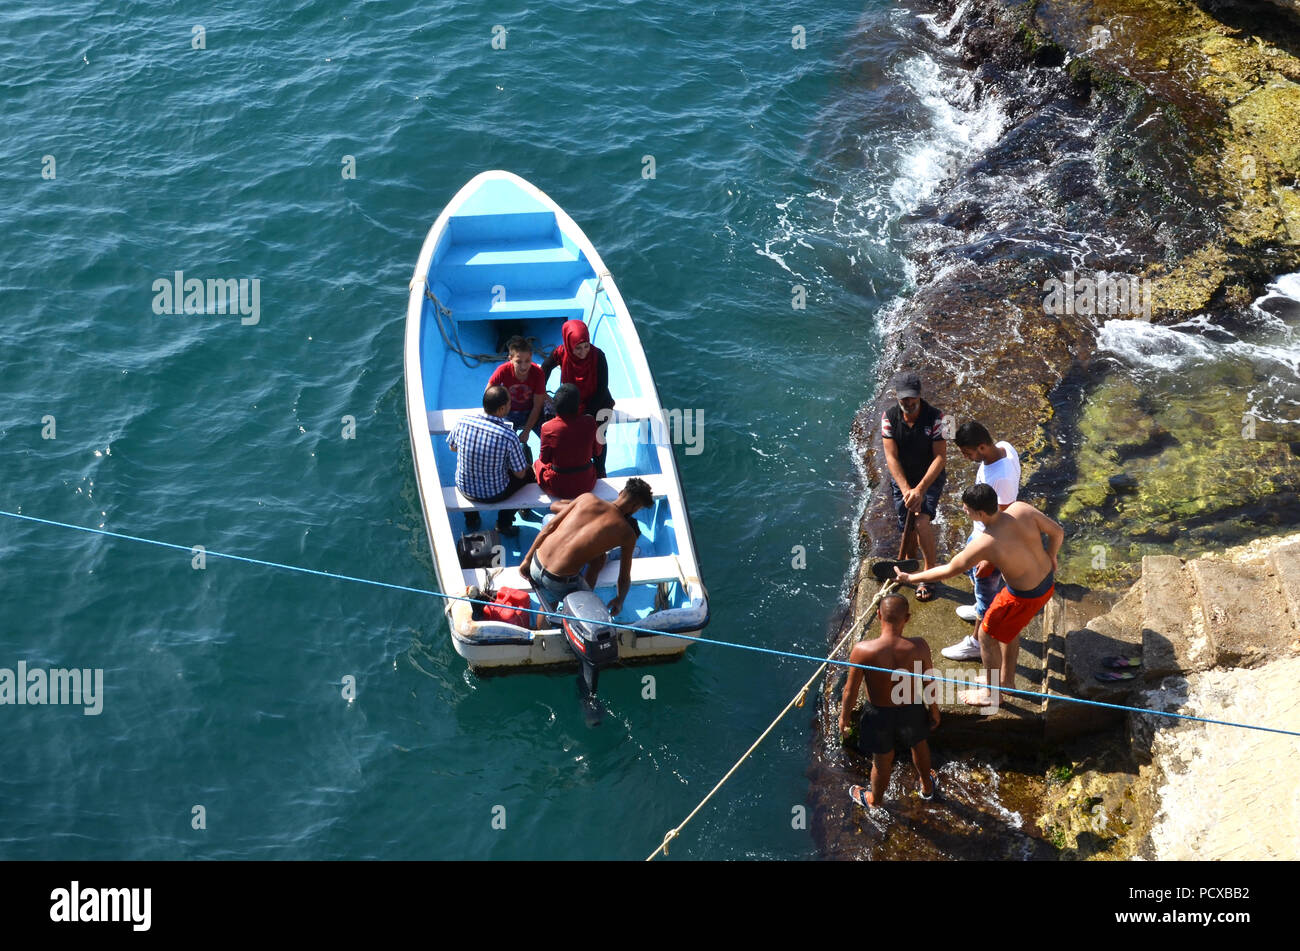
(503, 266)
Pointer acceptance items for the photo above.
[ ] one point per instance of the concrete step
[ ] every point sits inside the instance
(1172, 628)
(1246, 614)
(1092, 628)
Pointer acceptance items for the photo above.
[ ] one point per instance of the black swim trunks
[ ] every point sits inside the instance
(883, 729)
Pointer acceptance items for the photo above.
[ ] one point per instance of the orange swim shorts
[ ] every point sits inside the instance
(1011, 611)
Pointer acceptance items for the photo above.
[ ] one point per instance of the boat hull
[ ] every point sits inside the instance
(502, 256)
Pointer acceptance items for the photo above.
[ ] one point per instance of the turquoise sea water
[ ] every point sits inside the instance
(774, 166)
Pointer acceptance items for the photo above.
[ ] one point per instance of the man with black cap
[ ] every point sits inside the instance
(913, 435)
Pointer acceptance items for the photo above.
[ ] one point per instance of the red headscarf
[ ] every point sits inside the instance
(584, 374)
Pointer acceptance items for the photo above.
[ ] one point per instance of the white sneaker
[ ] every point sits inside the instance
(966, 649)
(967, 612)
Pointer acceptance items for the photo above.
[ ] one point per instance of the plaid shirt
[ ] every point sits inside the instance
(488, 447)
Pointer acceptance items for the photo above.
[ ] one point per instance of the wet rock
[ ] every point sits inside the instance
(966, 216)
(1123, 483)
(1172, 469)
(1184, 177)
(1154, 440)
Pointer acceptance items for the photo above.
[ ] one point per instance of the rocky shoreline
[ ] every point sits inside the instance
(1148, 139)
(1219, 638)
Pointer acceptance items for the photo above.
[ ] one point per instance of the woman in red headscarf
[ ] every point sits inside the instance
(585, 367)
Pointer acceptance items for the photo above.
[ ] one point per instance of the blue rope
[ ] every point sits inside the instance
(642, 630)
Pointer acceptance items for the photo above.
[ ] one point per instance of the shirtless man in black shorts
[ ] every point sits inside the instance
(578, 538)
(894, 710)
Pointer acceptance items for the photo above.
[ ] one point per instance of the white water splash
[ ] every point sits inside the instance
(1099, 38)
(1287, 286)
(1274, 352)
(1153, 346)
(963, 124)
(944, 31)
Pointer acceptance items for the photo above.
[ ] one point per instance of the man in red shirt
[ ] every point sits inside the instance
(564, 467)
(523, 380)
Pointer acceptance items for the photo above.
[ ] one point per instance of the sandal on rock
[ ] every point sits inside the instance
(1109, 676)
(934, 787)
(1121, 663)
(924, 592)
(859, 795)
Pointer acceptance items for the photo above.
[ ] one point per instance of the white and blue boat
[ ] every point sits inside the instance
(503, 256)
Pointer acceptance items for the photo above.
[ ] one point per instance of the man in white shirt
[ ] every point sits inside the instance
(1000, 468)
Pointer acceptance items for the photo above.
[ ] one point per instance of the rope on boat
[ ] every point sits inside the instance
(188, 549)
(796, 701)
(440, 311)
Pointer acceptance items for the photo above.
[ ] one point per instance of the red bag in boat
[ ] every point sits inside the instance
(506, 608)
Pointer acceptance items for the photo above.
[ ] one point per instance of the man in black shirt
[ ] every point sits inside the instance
(916, 452)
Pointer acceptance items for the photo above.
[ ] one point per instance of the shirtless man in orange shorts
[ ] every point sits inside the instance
(1011, 540)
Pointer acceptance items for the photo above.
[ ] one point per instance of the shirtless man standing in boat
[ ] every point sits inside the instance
(1012, 541)
(580, 535)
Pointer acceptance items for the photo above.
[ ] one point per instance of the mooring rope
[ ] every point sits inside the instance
(439, 311)
(791, 655)
(796, 701)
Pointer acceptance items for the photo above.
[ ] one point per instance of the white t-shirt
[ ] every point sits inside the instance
(1003, 475)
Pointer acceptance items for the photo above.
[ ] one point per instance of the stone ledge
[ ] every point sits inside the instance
(1246, 615)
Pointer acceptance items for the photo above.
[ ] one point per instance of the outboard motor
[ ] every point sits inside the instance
(591, 637)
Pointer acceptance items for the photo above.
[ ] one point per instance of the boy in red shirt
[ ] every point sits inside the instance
(523, 379)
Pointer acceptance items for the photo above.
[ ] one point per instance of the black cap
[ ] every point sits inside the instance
(907, 385)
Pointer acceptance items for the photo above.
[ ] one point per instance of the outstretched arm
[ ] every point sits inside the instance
(962, 561)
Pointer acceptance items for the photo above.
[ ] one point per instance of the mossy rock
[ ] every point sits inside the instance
(1162, 469)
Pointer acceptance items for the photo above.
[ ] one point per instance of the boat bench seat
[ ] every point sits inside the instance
(532, 496)
(627, 410)
(644, 571)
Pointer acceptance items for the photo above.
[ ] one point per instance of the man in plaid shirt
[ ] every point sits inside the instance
(490, 463)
